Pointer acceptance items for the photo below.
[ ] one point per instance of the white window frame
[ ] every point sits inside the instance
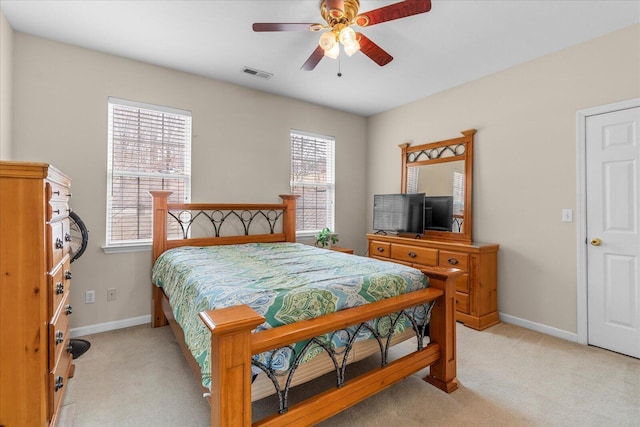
(328, 183)
(132, 245)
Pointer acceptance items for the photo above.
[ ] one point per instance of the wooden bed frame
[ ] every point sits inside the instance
(233, 343)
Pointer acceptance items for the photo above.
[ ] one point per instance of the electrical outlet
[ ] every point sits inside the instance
(111, 294)
(89, 297)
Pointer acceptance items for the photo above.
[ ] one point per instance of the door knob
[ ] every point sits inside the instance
(596, 242)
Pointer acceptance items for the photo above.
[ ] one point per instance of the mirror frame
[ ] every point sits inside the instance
(440, 152)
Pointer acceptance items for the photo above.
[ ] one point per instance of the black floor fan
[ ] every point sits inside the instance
(78, 244)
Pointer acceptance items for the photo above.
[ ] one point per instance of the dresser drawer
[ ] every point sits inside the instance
(59, 285)
(462, 303)
(379, 249)
(58, 192)
(414, 254)
(57, 210)
(462, 284)
(455, 260)
(58, 382)
(59, 333)
(59, 240)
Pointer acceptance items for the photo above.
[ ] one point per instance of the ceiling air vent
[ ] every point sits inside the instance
(257, 73)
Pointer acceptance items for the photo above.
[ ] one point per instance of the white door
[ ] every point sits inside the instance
(613, 230)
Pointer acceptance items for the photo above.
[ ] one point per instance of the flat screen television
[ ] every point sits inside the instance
(399, 213)
(438, 213)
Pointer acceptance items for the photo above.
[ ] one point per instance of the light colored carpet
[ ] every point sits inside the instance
(509, 376)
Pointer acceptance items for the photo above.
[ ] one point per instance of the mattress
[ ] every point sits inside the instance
(284, 282)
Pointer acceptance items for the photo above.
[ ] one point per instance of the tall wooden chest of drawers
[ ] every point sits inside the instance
(476, 289)
(35, 279)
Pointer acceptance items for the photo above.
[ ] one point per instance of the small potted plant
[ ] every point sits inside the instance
(325, 238)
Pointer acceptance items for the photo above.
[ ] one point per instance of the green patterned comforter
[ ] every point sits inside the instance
(284, 282)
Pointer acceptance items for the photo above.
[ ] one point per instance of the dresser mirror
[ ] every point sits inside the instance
(442, 170)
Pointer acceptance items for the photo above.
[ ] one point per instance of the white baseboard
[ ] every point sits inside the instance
(109, 326)
(135, 321)
(539, 327)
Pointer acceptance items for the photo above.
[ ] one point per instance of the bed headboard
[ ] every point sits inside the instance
(250, 217)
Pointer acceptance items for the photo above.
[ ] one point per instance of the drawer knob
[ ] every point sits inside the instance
(380, 249)
(412, 254)
(67, 237)
(59, 384)
(453, 261)
(57, 212)
(57, 192)
(70, 347)
(59, 243)
(59, 288)
(67, 275)
(68, 310)
(59, 337)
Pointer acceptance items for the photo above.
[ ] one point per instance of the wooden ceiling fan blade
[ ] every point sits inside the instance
(280, 26)
(373, 51)
(313, 60)
(393, 11)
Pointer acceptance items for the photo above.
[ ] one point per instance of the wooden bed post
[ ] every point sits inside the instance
(160, 213)
(289, 220)
(442, 330)
(231, 363)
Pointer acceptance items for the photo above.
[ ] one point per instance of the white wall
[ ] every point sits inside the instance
(525, 157)
(6, 87)
(240, 151)
(525, 162)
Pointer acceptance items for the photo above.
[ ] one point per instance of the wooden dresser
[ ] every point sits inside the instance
(476, 290)
(35, 354)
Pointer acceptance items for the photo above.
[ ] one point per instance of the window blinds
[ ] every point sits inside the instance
(149, 149)
(313, 179)
(458, 193)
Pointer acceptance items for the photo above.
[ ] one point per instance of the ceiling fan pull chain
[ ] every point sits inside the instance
(339, 68)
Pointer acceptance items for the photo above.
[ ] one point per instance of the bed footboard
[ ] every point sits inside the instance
(233, 345)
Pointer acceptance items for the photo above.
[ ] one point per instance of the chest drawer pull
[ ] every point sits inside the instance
(70, 347)
(67, 275)
(59, 384)
(453, 261)
(59, 337)
(57, 192)
(67, 237)
(59, 243)
(412, 254)
(68, 310)
(59, 288)
(380, 249)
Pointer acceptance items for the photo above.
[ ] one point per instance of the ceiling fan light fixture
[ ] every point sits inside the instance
(347, 36)
(352, 48)
(327, 41)
(333, 52)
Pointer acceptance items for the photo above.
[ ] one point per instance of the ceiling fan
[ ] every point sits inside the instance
(340, 16)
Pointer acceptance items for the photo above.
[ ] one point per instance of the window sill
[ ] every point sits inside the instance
(134, 247)
(306, 236)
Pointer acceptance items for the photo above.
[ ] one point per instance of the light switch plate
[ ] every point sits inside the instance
(567, 215)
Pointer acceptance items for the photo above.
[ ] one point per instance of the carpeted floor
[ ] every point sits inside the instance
(509, 376)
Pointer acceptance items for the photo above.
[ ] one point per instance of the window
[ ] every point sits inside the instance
(412, 180)
(313, 179)
(149, 148)
(458, 193)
